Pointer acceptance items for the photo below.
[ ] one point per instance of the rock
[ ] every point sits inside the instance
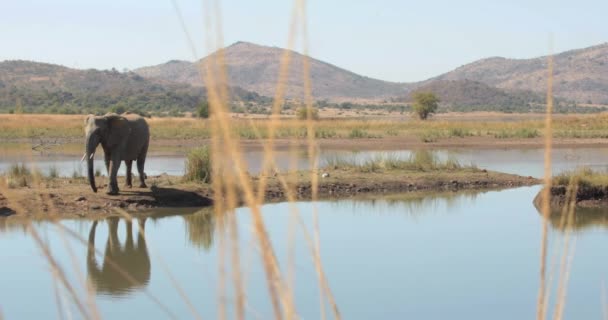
(81, 198)
(325, 175)
(96, 207)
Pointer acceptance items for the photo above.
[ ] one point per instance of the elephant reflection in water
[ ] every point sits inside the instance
(131, 258)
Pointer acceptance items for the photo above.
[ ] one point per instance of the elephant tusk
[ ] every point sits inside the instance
(92, 155)
(83, 156)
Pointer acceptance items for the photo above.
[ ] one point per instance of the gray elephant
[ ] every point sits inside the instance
(125, 267)
(123, 138)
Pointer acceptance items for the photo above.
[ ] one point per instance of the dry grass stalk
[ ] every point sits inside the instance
(545, 206)
(567, 221)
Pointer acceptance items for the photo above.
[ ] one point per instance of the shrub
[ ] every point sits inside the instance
(425, 103)
(203, 110)
(198, 165)
(303, 113)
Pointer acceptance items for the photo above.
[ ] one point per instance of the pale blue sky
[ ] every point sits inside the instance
(386, 39)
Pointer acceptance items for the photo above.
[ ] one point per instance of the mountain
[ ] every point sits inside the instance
(579, 75)
(37, 86)
(256, 68)
(499, 84)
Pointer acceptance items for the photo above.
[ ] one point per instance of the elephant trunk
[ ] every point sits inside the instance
(91, 144)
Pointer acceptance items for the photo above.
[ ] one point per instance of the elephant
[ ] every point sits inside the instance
(123, 138)
(124, 268)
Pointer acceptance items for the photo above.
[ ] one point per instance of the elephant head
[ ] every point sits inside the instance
(109, 131)
(125, 267)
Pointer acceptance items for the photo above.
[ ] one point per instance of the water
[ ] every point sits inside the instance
(454, 255)
(526, 162)
(458, 256)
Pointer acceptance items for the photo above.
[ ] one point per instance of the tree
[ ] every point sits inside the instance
(203, 110)
(303, 113)
(425, 103)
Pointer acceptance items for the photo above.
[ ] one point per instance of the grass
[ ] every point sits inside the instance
(198, 165)
(522, 133)
(70, 126)
(586, 177)
(18, 176)
(53, 172)
(421, 160)
(362, 134)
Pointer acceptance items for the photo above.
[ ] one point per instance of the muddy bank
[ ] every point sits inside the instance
(63, 197)
(586, 197)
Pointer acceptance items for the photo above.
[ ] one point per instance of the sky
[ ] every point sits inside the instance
(394, 40)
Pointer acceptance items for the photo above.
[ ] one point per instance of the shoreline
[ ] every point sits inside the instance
(70, 198)
(164, 146)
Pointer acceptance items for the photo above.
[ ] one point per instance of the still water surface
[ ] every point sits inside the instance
(460, 256)
(526, 162)
(457, 256)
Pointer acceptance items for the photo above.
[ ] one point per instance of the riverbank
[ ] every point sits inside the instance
(591, 189)
(66, 198)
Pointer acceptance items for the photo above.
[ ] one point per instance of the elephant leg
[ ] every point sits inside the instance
(106, 157)
(114, 165)
(141, 160)
(129, 164)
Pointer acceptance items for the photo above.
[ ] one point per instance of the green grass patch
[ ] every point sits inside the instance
(523, 133)
(357, 133)
(198, 165)
(422, 160)
(459, 132)
(585, 177)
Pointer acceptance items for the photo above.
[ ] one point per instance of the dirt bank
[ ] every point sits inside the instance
(63, 197)
(586, 197)
(181, 146)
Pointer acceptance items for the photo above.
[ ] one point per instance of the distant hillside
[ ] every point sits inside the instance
(579, 75)
(496, 84)
(37, 86)
(465, 95)
(256, 68)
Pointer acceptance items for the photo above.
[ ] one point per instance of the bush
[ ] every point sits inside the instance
(203, 110)
(425, 103)
(198, 165)
(303, 113)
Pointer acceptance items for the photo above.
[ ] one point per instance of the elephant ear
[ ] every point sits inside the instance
(118, 129)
